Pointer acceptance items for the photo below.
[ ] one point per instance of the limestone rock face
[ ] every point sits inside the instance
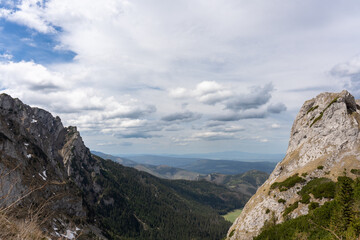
(46, 162)
(324, 142)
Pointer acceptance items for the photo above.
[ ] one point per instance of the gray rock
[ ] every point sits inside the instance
(325, 133)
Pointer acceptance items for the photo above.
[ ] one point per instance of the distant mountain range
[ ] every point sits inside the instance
(240, 179)
(187, 168)
(227, 155)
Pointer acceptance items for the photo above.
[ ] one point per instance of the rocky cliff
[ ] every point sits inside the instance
(44, 168)
(324, 142)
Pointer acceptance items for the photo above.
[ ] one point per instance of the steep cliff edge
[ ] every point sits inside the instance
(324, 143)
(46, 166)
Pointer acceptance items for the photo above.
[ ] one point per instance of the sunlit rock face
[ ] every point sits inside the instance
(324, 142)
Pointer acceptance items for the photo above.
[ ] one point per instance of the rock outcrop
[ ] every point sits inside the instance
(324, 142)
(45, 165)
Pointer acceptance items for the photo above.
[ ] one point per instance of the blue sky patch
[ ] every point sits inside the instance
(29, 45)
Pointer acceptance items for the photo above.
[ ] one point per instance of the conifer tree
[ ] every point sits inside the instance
(345, 200)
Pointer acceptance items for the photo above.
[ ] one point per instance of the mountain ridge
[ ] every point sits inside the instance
(324, 144)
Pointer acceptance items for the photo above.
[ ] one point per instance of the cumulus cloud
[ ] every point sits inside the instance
(207, 92)
(276, 108)
(31, 76)
(349, 70)
(181, 116)
(84, 107)
(211, 92)
(30, 13)
(256, 98)
(123, 48)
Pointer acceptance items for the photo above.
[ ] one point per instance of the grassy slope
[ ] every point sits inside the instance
(231, 216)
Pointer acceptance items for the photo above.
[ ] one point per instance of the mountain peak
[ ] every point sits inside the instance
(324, 143)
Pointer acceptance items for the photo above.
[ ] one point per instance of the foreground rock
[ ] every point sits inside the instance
(324, 142)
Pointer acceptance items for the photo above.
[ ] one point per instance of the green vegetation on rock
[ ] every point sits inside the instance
(312, 109)
(322, 112)
(291, 208)
(288, 183)
(319, 188)
(336, 219)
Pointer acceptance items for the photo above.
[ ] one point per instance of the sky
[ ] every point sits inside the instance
(179, 76)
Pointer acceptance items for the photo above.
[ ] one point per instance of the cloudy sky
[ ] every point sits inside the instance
(179, 76)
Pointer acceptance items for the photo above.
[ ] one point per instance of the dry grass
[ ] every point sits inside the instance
(11, 228)
(14, 229)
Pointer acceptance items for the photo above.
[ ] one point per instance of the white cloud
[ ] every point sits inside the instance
(275, 126)
(6, 56)
(213, 136)
(179, 93)
(30, 13)
(215, 58)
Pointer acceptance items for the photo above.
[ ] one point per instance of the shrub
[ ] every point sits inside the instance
(291, 208)
(232, 233)
(313, 205)
(288, 183)
(305, 199)
(281, 200)
(355, 171)
(320, 167)
(320, 188)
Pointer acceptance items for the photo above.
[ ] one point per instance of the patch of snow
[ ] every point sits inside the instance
(77, 229)
(28, 156)
(69, 234)
(44, 173)
(34, 121)
(43, 177)
(26, 144)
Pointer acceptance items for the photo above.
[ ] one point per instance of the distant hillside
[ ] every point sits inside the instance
(246, 183)
(234, 155)
(161, 160)
(123, 161)
(161, 171)
(205, 166)
(228, 167)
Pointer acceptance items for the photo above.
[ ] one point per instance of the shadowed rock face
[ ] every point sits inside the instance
(324, 142)
(37, 156)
